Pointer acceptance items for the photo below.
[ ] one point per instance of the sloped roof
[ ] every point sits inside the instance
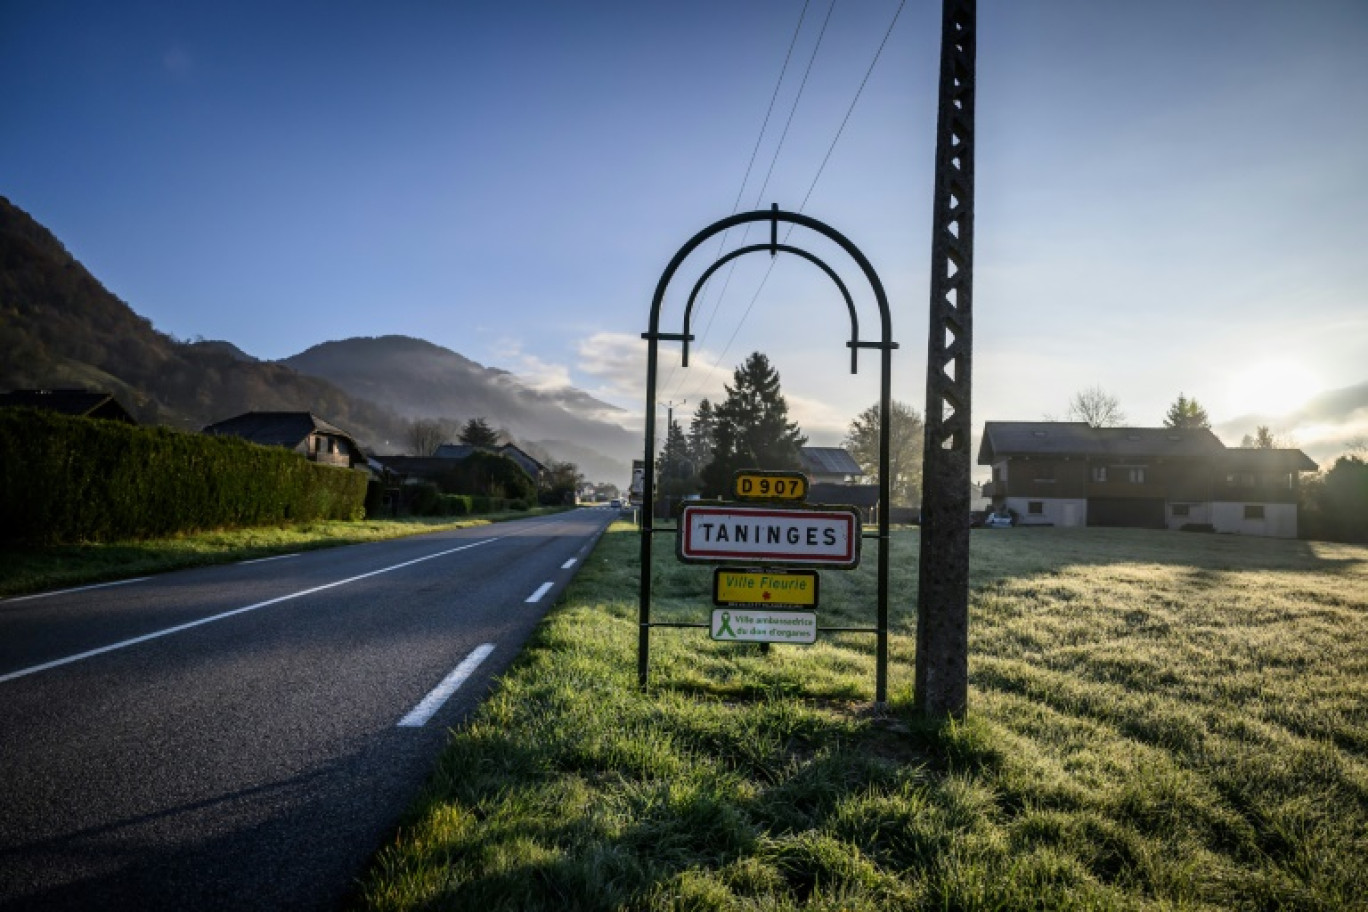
(455, 451)
(1075, 438)
(852, 495)
(80, 402)
(1274, 460)
(828, 461)
(287, 429)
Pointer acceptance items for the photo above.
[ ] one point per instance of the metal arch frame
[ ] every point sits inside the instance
(654, 337)
(853, 344)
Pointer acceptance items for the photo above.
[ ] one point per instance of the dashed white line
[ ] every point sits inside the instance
(418, 716)
(122, 644)
(541, 590)
(568, 564)
(262, 560)
(27, 598)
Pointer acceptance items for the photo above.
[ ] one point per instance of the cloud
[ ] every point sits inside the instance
(530, 370)
(1327, 426)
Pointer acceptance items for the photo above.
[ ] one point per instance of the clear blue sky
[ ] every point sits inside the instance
(1172, 196)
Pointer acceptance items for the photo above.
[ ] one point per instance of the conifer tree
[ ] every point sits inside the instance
(477, 432)
(751, 429)
(1186, 413)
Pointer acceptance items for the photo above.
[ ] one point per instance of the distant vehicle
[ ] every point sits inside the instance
(998, 521)
(616, 505)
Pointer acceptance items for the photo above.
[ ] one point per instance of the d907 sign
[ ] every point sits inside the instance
(756, 485)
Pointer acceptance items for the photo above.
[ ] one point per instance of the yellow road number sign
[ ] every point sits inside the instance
(778, 589)
(758, 485)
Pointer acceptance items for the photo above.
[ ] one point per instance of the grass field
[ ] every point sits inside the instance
(25, 570)
(1158, 721)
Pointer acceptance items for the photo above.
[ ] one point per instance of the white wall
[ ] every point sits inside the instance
(1197, 513)
(1280, 520)
(1059, 511)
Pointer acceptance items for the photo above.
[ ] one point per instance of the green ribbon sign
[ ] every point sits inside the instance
(725, 629)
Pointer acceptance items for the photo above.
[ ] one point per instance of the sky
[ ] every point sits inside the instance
(1171, 196)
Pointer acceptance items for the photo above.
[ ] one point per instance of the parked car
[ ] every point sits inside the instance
(999, 521)
(616, 505)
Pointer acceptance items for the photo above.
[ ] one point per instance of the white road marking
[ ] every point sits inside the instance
(418, 716)
(27, 598)
(568, 564)
(541, 590)
(227, 614)
(262, 560)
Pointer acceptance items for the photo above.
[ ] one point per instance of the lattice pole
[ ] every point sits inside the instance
(942, 676)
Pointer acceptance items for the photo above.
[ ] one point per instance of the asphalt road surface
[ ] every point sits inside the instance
(247, 736)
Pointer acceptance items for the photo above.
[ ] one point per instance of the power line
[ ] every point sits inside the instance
(774, 161)
(830, 149)
(736, 205)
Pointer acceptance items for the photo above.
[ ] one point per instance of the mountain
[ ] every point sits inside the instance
(59, 327)
(417, 379)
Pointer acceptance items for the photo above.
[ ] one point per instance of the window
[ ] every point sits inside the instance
(1136, 474)
(1181, 509)
(1035, 507)
(1254, 511)
(1099, 473)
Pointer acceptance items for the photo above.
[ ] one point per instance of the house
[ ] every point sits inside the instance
(1070, 474)
(79, 402)
(829, 465)
(303, 432)
(534, 469)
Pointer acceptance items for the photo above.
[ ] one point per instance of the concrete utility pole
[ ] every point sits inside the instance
(942, 678)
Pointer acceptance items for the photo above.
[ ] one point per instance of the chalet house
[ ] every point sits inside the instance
(79, 402)
(1071, 474)
(303, 432)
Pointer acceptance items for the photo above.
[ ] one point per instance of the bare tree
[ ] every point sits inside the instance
(1096, 407)
(906, 431)
(425, 435)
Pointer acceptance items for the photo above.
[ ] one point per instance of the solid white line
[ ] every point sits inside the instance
(28, 598)
(568, 564)
(262, 560)
(541, 590)
(418, 716)
(227, 614)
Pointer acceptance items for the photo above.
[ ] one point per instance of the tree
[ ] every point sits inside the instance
(701, 436)
(905, 434)
(560, 483)
(1335, 503)
(1186, 413)
(425, 436)
(477, 432)
(1097, 407)
(675, 468)
(751, 429)
(1263, 439)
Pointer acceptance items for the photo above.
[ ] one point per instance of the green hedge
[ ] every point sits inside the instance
(65, 479)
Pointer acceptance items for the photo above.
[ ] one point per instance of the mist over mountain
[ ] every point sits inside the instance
(59, 327)
(417, 379)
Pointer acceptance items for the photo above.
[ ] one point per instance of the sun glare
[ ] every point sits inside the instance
(1270, 388)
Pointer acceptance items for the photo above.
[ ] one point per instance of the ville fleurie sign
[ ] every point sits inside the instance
(772, 588)
(785, 536)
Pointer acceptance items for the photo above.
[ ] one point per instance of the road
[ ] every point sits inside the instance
(246, 736)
